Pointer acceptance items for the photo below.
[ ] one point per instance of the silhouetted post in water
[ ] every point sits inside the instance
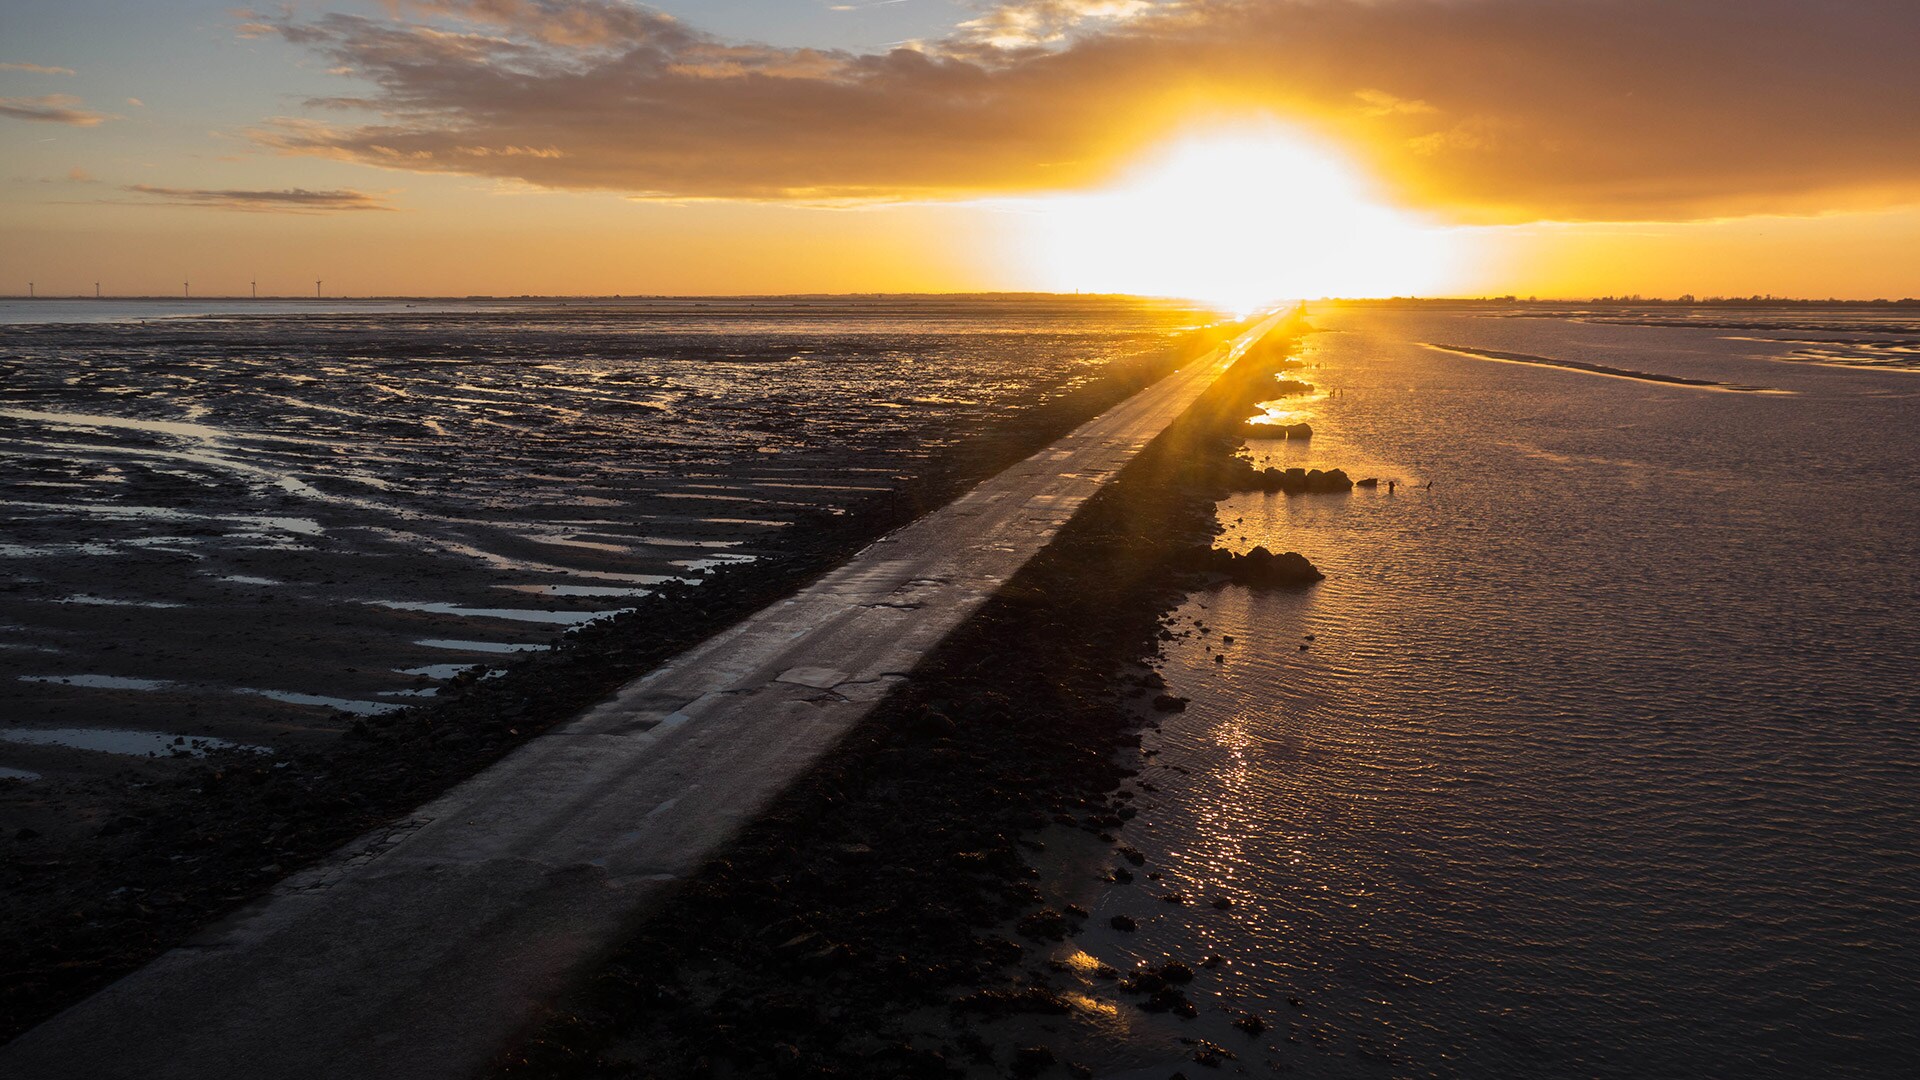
(1390, 485)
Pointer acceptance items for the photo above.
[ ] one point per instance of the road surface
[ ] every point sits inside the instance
(421, 950)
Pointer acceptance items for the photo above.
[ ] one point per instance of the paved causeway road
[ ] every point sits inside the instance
(419, 951)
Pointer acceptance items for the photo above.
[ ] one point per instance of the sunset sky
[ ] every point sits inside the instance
(1229, 149)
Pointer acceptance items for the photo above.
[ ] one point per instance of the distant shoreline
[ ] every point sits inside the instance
(616, 298)
(625, 298)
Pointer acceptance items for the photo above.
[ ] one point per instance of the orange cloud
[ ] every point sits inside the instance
(1492, 110)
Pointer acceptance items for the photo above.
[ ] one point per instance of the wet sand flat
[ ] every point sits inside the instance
(254, 529)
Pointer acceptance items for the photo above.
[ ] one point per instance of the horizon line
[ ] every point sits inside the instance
(1506, 298)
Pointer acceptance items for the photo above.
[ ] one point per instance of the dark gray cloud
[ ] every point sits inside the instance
(1491, 109)
(290, 201)
(53, 109)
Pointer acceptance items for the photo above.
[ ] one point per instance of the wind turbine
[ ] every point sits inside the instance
(316, 290)
(186, 289)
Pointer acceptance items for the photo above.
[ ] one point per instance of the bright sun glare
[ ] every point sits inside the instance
(1240, 220)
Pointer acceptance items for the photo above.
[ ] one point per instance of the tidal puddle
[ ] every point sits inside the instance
(668, 541)
(121, 741)
(581, 590)
(17, 774)
(441, 671)
(457, 645)
(502, 562)
(108, 601)
(169, 514)
(45, 551)
(587, 545)
(712, 562)
(345, 705)
(90, 420)
(556, 618)
(99, 682)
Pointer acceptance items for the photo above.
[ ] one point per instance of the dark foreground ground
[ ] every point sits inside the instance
(191, 847)
(900, 911)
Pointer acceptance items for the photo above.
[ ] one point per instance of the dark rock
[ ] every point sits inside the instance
(1031, 999)
(1123, 923)
(1260, 567)
(1044, 925)
(830, 957)
(1209, 1054)
(1031, 1061)
(1257, 430)
(1327, 482)
(800, 944)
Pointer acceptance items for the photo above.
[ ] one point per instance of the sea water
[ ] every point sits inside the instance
(1598, 751)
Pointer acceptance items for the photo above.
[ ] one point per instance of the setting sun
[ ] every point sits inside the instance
(1237, 219)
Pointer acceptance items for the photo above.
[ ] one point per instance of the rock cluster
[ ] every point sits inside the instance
(1259, 567)
(1255, 430)
(1240, 475)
